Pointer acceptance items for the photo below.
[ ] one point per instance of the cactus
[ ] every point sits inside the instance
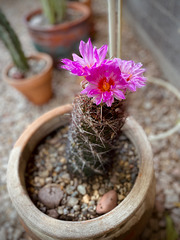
(54, 10)
(91, 135)
(99, 112)
(12, 43)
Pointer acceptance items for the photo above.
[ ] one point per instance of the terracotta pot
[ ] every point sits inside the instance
(61, 40)
(124, 222)
(36, 88)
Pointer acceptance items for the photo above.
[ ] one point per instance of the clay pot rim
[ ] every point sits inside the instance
(15, 82)
(61, 26)
(102, 224)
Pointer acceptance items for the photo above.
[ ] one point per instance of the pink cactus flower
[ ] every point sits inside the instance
(104, 83)
(104, 79)
(132, 73)
(91, 57)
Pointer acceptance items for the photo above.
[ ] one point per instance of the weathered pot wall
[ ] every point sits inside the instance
(122, 223)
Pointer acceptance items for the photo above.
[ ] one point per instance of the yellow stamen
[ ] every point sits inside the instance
(106, 86)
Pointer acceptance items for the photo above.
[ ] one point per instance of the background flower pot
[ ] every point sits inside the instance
(62, 39)
(36, 88)
(125, 221)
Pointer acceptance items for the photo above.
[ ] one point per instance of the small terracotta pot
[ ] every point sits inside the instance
(37, 88)
(124, 222)
(61, 40)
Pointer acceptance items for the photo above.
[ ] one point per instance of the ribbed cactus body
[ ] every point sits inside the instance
(12, 43)
(91, 134)
(54, 10)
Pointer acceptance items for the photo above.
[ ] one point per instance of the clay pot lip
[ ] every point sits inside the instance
(102, 224)
(61, 26)
(15, 82)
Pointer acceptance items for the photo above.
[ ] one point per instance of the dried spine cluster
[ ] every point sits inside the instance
(91, 135)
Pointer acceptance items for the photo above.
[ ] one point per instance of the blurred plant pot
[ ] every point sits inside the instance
(61, 40)
(124, 222)
(37, 88)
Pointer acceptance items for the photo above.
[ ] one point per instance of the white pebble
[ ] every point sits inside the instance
(81, 189)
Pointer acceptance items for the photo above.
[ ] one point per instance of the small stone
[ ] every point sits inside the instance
(41, 181)
(101, 191)
(60, 210)
(75, 182)
(76, 208)
(91, 209)
(128, 177)
(121, 197)
(74, 194)
(52, 213)
(63, 160)
(57, 169)
(43, 209)
(81, 189)
(50, 195)
(44, 174)
(114, 179)
(65, 176)
(84, 212)
(72, 201)
(69, 189)
(48, 180)
(65, 211)
(91, 203)
(86, 198)
(49, 167)
(107, 202)
(96, 186)
(96, 193)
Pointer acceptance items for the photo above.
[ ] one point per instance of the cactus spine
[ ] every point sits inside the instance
(12, 43)
(92, 132)
(54, 10)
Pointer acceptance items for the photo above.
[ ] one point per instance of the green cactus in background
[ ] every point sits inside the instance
(91, 135)
(54, 10)
(11, 41)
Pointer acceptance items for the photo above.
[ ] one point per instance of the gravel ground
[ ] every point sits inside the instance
(16, 113)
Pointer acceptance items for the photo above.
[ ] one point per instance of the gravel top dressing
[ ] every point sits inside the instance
(59, 194)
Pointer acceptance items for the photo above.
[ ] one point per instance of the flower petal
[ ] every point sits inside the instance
(118, 94)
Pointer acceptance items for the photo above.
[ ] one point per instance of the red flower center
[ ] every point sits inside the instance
(105, 85)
